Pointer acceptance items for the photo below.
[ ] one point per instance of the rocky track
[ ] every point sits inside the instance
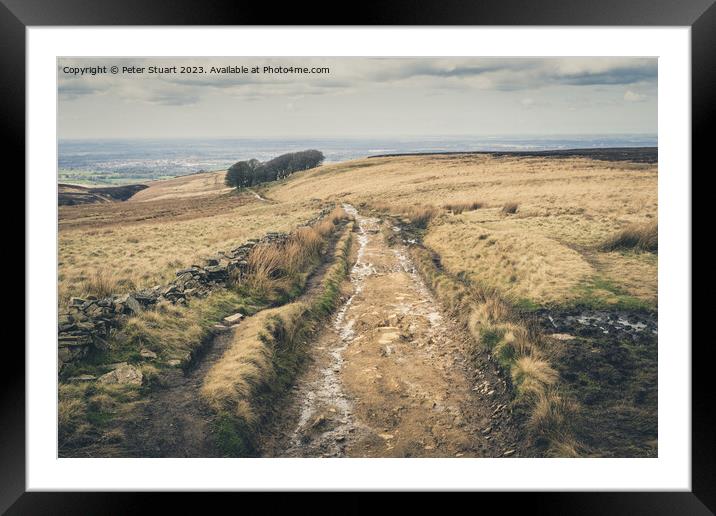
(390, 376)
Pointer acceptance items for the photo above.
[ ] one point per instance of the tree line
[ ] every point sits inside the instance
(253, 172)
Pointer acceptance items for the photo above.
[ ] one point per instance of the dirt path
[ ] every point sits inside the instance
(175, 422)
(257, 195)
(389, 377)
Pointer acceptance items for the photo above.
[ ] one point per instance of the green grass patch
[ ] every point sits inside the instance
(489, 337)
(231, 437)
(600, 293)
(506, 355)
(525, 305)
(174, 331)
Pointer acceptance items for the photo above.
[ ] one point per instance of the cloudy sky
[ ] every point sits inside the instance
(359, 97)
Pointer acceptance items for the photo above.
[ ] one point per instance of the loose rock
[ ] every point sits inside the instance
(123, 375)
(233, 319)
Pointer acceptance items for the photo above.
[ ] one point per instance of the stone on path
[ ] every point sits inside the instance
(233, 319)
(82, 378)
(125, 374)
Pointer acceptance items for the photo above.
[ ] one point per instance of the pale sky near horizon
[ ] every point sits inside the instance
(360, 97)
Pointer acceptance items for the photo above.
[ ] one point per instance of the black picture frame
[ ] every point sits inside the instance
(700, 15)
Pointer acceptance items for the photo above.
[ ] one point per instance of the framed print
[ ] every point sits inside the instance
(420, 252)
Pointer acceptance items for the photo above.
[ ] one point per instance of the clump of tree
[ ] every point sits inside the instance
(253, 172)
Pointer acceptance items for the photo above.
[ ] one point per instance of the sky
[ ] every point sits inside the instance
(356, 97)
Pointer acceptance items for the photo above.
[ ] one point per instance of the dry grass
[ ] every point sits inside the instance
(246, 365)
(458, 207)
(635, 273)
(102, 283)
(566, 207)
(551, 185)
(193, 185)
(418, 215)
(274, 270)
(521, 265)
(550, 418)
(532, 376)
(266, 271)
(88, 413)
(304, 246)
(421, 216)
(119, 257)
(640, 237)
(326, 226)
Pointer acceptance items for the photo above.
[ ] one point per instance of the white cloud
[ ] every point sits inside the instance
(486, 74)
(360, 96)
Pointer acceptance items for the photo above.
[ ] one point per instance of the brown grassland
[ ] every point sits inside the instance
(548, 251)
(499, 237)
(119, 247)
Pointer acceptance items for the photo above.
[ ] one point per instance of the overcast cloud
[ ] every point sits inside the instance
(387, 97)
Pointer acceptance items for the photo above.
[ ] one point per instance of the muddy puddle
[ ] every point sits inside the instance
(325, 420)
(616, 324)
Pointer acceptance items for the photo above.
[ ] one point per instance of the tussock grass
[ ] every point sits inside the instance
(102, 283)
(532, 375)
(99, 282)
(267, 274)
(277, 272)
(305, 244)
(420, 216)
(510, 208)
(336, 215)
(641, 237)
(495, 327)
(264, 358)
(459, 207)
(550, 419)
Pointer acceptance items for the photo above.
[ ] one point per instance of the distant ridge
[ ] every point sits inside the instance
(70, 195)
(635, 154)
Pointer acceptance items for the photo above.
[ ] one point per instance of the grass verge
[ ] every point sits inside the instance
(267, 352)
(516, 346)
